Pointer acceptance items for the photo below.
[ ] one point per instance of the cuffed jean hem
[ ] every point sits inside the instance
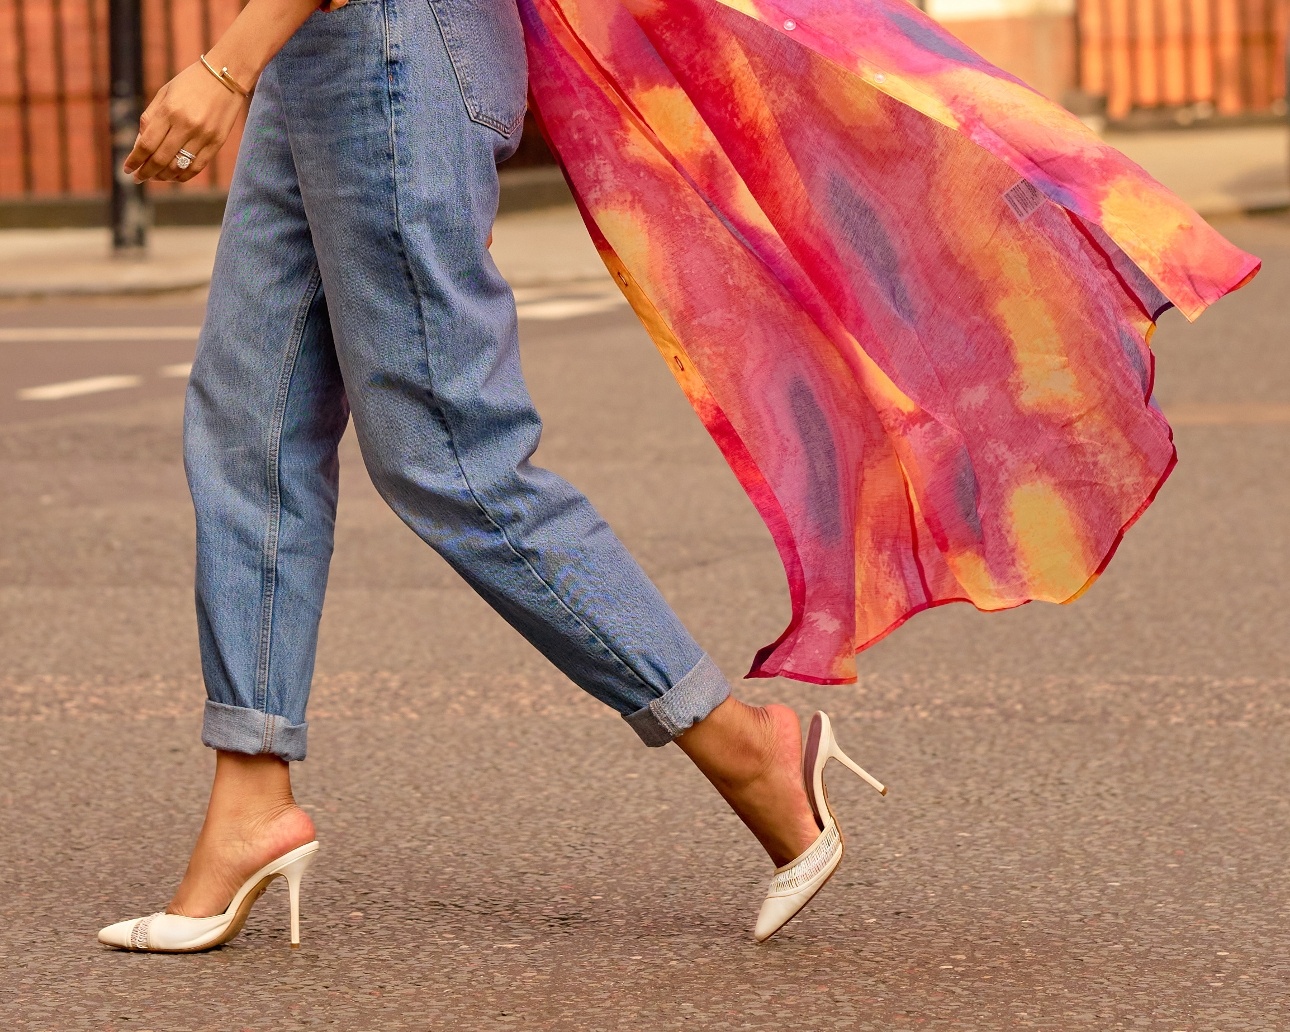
(687, 702)
(243, 730)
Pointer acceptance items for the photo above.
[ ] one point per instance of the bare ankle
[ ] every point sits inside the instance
(734, 745)
(766, 747)
(251, 800)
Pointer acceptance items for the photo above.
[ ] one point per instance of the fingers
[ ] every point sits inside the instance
(203, 145)
(201, 158)
(152, 131)
(172, 173)
(169, 123)
(191, 111)
(163, 155)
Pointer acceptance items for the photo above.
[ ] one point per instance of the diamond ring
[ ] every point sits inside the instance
(184, 158)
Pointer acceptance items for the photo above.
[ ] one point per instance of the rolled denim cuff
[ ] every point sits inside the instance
(687, 702)
(243, 730)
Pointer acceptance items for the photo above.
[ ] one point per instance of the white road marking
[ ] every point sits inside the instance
(1237, 414)
(550, 291)
(179, 371)
(37, 334)
(558, 308)
(568, 308)
(541, 303)
(75, 388)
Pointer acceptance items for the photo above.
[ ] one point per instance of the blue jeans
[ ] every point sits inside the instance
(353, 275)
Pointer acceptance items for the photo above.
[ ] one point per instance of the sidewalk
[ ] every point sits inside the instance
(536, 248)
(1218, 171)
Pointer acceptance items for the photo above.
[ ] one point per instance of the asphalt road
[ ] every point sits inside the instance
(1087, 825)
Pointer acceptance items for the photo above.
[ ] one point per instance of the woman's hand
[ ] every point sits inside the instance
(193, 111)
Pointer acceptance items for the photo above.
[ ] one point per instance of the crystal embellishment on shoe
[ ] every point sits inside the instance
(810, 865)
(173, 933)
(797, 882)
(139, 933)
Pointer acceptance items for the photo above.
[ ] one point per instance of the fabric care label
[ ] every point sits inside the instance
(1023, 199)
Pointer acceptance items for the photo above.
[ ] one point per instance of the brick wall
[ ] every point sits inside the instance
(54, 89)
(1137, 54)
(1216, 56)
(1039, 49)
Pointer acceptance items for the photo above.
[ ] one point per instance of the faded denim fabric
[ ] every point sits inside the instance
(353, 274)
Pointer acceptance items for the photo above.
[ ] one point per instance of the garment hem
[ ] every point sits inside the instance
(241, 729)
(682, 706)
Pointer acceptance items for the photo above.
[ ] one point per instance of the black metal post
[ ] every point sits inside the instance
(131, 214)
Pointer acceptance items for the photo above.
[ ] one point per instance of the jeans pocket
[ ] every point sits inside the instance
(485, 42)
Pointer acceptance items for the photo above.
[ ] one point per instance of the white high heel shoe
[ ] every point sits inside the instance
(798, 881)
(173, 933)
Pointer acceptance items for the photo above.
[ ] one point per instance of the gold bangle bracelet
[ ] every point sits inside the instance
(227, 80)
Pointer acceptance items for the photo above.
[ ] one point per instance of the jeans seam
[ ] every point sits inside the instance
(452, 442)
(273, 473)
(474, 115)
(474, 496)
(392, 39)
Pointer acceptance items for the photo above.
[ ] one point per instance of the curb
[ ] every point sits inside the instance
(1220, 206)
(522, 189)
(89, 290)
(531, 189)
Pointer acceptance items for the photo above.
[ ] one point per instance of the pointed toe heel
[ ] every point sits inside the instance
(797, 882)
(174, 933)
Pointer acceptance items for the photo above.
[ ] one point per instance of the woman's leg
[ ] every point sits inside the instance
(251, 819)
(400, 187)
(399, 200)
(427, 338)
(265, 410)
(753, 757)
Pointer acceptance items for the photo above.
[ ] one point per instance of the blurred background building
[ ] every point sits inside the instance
(1118, 63)
(1145, 62)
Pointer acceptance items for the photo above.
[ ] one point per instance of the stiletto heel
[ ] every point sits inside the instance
(847, 761)
(294, 873)
(796, 883)
(174, 933)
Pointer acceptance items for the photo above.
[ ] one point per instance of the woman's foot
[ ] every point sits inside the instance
(753, 757)
(252, 818)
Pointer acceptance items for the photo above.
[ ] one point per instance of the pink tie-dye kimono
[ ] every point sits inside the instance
(909, 297)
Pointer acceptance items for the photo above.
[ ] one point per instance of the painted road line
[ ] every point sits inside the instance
(1238, 414)
(551, 291)
(40, 334)
(534, 303)
(568, 308)
(178, 371)
(75, 388)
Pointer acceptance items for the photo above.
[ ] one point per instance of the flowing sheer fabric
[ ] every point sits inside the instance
(909, 297)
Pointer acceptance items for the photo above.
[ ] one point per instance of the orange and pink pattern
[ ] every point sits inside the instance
(909, 297)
